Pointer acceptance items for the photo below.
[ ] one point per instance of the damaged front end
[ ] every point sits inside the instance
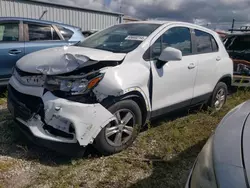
(56, 101)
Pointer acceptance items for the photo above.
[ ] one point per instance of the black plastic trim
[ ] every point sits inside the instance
(185, 104)
(171, 108)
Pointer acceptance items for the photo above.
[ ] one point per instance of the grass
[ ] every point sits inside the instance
(3, 96)
(161, 156)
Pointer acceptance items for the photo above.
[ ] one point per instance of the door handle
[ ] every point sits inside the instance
(15, 52)
(191, 66)
(218, 58)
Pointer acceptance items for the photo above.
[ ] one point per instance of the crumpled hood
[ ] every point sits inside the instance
(65, 59)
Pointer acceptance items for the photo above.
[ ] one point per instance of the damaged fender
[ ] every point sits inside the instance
(117, 82)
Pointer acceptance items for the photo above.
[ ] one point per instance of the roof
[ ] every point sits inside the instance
(36, 20)
(130, 18)
(74, 7)
(168, 23)
(239, 34)
(161, 22)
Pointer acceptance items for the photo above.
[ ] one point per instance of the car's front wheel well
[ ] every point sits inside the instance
(136, 97)
(141, 103)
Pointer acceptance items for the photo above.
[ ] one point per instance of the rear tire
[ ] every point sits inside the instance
(219, 96)
(120, 134)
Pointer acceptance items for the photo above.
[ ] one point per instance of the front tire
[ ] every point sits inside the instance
(219, 96)
(120, 134)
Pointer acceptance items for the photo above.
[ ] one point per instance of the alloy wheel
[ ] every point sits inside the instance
(220, 99)
(120, 131)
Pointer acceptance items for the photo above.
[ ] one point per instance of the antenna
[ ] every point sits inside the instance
(44, 12)
(232, 30)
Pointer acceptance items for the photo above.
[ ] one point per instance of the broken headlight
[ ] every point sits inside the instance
(74, 85)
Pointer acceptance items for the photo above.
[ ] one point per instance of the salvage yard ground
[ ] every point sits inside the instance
(161, 156)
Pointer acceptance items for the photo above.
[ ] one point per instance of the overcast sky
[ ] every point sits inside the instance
(198, 11)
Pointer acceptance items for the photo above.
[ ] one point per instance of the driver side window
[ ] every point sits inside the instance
(177, 37)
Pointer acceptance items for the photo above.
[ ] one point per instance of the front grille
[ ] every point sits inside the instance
(22, 73)
(24, 106)
(29, 79)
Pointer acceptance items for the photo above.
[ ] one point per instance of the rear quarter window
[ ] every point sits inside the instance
(66, 33)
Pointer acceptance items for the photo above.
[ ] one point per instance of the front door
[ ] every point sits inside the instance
(11, 47)
(173, 84)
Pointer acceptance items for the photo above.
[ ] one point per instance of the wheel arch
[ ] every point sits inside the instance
(136, 96)
(227, 79)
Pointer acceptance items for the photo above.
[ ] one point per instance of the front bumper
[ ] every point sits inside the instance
(50, 118)
(64, 148)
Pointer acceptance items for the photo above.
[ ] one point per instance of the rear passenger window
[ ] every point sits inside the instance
(39, 32)
(9, 32)
(205, 43)
(66, 33)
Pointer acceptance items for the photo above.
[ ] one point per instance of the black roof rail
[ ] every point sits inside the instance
(243, 30)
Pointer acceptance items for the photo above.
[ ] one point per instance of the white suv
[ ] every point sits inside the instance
(101, 91)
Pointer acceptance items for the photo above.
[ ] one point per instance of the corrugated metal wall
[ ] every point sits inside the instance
(85, 19)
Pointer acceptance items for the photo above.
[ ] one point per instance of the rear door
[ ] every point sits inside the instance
(11, 47)
(208, 58)
(41, 36)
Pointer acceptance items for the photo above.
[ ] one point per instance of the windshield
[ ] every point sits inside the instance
(122, 38)
(238, 43)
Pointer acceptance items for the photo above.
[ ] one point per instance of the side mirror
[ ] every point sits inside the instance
(169, 54)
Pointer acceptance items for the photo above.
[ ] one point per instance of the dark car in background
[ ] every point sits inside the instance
(238, 46)
(87, 33)
(21, 36)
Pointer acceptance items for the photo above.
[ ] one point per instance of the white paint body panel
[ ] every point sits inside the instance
(174, 83)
